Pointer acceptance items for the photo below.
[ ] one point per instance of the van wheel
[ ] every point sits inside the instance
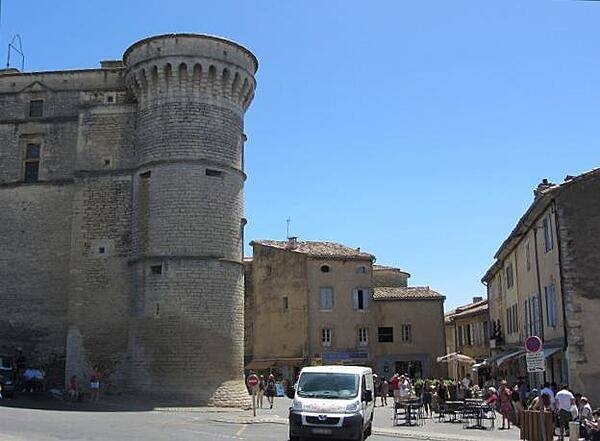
(368, 430)
(294, 438)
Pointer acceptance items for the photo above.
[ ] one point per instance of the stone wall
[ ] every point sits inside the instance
(578, 209)
(140, 167)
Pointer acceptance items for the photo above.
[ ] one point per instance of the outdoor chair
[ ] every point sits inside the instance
(489, 414)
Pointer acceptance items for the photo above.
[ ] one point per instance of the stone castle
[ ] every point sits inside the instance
(121, 216)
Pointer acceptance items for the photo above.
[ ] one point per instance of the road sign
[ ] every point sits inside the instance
(533, 344)
(252, 380)
(536, 362)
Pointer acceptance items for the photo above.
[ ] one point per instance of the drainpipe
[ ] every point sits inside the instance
(562, 286)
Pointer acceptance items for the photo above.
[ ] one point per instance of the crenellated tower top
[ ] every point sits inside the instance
(191, 67)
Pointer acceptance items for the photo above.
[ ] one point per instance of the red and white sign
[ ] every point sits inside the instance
(533, 344)
(252, 380)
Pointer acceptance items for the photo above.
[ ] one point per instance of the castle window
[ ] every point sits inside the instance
(36, 108)
(361, 269)
(363, 337)
(284, 301)
(326, 336)
(548, 238)
(101, 250)
(359, 299)
(325, 268)
(406, 334)
(156, 269)
(32, 163)
(385, 334)
(326, 299)
(215, 173)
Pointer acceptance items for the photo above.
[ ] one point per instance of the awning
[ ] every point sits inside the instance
(500, 358)
(476, 366)
(456, 357)
(509, 355)
(258, 365)
(549, 352)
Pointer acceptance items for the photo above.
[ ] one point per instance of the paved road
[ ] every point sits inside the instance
(48, 425)
(52, 421)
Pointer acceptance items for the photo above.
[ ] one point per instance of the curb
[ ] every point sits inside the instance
(376, 430)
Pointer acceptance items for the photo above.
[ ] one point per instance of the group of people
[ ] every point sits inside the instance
(73, 392)
(266, 388)
(565, 406)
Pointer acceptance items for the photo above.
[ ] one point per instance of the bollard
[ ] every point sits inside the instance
(573, 431)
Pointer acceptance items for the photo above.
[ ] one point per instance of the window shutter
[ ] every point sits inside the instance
(355, 299)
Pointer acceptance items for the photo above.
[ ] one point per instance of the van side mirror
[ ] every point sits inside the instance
(367, 396)
(290, 392)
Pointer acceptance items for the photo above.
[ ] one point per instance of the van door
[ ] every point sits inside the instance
(367, 406)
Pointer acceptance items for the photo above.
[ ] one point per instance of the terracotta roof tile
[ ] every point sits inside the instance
(406, 293)
(317, 249)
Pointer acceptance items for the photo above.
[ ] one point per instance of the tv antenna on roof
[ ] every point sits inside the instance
(12, 46)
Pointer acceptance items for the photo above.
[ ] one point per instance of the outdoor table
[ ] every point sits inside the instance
(476, 410)
(454, 407)
(411, 409)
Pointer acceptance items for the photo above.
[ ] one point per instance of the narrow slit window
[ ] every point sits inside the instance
(32, 163)
(214, 173)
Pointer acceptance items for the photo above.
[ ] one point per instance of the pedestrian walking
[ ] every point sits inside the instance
(95, 385)
(73, 389)
(427, 399)
(261, 390)
(385, 390)
(271, 389)
(504, 397)
(563, 403)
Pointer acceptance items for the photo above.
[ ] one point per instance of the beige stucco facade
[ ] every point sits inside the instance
(554, 253)
(467, 332)
(314, 303)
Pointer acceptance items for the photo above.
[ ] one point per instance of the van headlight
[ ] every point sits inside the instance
(353, 407)
(297, 405)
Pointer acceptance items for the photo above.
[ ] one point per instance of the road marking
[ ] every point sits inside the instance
(214, 435)
(239, 432)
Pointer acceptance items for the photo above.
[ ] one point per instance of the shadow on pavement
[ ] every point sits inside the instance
(106, 404)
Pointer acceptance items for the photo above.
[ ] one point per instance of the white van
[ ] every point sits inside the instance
(334, 402)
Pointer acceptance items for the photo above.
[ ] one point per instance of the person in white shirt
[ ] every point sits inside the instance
(549, 391)
(404, 387)
(466, 382)
(585, 411)
(563, 403)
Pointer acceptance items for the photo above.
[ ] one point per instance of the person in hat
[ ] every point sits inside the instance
(271, 389)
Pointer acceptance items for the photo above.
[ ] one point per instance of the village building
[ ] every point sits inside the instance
(467, 333)
(325, 303)
(544, 282)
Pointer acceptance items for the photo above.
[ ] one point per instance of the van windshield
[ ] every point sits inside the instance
(328, 385)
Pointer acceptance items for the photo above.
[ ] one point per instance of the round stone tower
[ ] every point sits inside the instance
(186, 337)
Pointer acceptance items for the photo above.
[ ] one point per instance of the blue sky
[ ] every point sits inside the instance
(414, 130)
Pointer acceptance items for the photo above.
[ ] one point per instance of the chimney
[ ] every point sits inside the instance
(292, 243)
(569, 178)
(477, 299)
(544, 185)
